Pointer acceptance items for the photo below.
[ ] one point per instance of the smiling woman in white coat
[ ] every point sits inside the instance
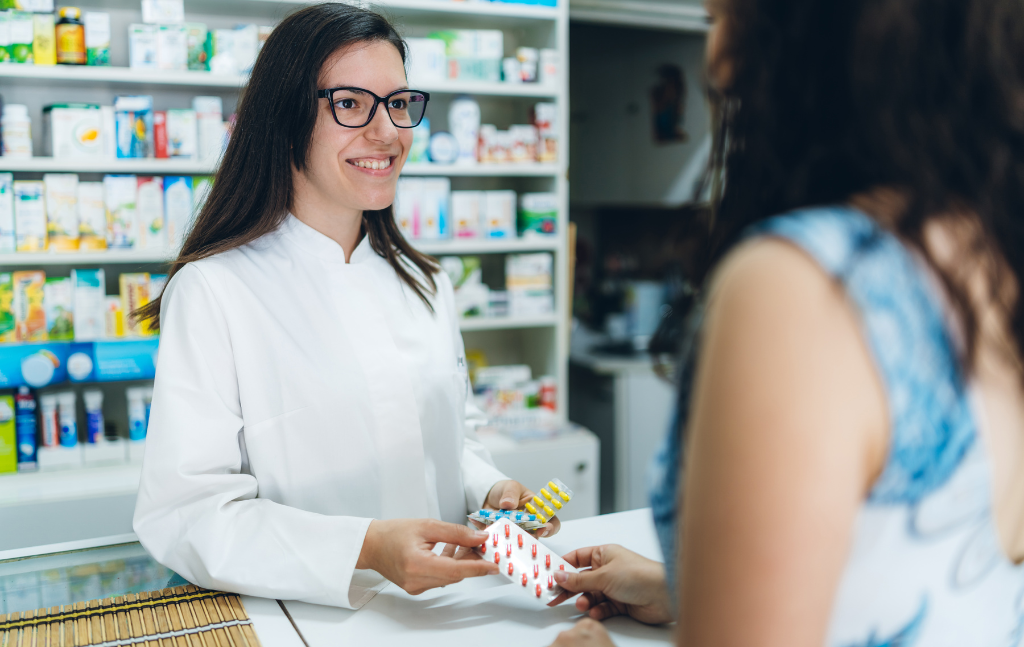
(311, 435)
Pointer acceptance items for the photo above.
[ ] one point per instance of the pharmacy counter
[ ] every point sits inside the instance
(486, 609)
(461, 613)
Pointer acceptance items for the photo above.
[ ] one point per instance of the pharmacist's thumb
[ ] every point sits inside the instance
(588, 581)
(453, 533)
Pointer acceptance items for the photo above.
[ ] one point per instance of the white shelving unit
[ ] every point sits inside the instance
(541, 342)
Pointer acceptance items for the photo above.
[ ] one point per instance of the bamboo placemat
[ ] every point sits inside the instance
(186, 616)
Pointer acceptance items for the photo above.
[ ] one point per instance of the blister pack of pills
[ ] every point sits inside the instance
(549, 501)
(529, 564)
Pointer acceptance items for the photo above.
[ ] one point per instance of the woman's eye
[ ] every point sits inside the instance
(398, 104)
(346, 104)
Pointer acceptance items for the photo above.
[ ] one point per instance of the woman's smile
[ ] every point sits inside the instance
(377, 166)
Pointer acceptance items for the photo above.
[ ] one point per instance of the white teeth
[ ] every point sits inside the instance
(376, 165)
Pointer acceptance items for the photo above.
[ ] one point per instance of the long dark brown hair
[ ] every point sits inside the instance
(832, 99)
(252, 191)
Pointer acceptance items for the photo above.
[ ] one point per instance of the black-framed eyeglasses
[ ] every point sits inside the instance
(355, 107)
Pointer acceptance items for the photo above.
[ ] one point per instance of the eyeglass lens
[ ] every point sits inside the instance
(353, 107)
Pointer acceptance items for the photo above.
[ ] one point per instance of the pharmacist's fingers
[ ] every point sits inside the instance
(477, 524)
(511, 493)
(449, 550)
(452, 533)
(605, 610)
(456, 570)
(588, 601)
(550, 528)
(466, 553)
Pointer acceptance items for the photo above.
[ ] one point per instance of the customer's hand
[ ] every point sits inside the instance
(511, 495)
(400, 550)
(619, 582)
(585, 633)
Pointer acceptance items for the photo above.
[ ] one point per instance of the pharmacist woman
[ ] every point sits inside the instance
(311, 436)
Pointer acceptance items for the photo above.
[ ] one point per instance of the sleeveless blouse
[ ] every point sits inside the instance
(925, 567)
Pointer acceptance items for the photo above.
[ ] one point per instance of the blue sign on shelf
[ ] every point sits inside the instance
(41, 364)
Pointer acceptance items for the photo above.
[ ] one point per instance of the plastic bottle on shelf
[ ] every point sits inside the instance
(68, 419)
(25, 429)
(71, 37)
(94, 416)
(51, 423)
(17, 131)
(136, 413)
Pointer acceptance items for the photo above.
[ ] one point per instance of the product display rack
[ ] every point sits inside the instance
(539, 341)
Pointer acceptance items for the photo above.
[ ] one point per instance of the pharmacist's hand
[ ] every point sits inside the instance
(619, 582)
(511, 495)
(400, 550)
(586, 633)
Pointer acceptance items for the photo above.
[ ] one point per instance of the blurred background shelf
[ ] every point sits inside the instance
(191, 167)
(27, 488)
(507, 323)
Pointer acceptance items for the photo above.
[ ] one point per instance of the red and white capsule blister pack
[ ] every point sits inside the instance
(529, 564)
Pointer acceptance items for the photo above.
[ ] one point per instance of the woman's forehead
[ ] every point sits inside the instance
(375, 66)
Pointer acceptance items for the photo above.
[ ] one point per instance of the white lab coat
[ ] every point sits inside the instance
(297, 398)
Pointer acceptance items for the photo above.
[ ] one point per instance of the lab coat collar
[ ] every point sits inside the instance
(314, 242)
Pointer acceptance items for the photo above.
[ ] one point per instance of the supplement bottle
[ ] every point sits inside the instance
(71, 37)
(17, 131)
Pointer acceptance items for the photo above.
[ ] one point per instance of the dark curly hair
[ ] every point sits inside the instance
(832, 98)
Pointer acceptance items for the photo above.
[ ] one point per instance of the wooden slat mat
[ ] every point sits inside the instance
(186, 616)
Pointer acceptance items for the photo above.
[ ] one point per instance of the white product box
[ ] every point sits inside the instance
(61, 211)
(92, 217)
(434, 211)
(466, 209)
(490, 44)
(30, 215)
(89, 303)
(499, 216)
(97, 30)
(73, 131)
(150, 210)
(548, 66)
(245, 45)
(177, 209)
(172, 47)
(8, 243)
(405, 207)
(528, 278)
(163, 12)
(209, 126)
(143, 47)
(108, 132)
(122, 224)
(181, 134)
(426, 62)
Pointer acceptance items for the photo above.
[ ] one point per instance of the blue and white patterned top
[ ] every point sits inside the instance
(926, 567)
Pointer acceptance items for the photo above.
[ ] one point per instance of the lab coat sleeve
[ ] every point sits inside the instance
(478, 471)
(198, 512)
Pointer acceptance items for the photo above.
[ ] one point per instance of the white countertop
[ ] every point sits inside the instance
(467, 612)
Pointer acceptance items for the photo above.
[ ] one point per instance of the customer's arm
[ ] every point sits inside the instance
(787, 432)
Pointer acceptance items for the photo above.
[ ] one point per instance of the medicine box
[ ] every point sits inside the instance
(7, 333)
(58, 301)
(92, 217)
(120, 194)
(29, 313)
(466, 210)
(528, 278)
(73, 131)
(8, 243)
(88, 301)
(177, 209)
(61, 211)
(181, 134)
(21, 29)
(427, 60)
(538, 213)
(97, 37)
(499, 215)
(149, 202)
(30, 215)
(133, 125)
(172, 47)
(44, 39)
(143, 47)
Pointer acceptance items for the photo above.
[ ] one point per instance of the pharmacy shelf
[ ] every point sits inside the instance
(482, 170)
(145, 166)
(484, 246)
(189, 167)
(114, 256)
(44, 74)
(471, 324)
(71, 484)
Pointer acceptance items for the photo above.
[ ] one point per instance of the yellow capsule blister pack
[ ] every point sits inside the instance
(549, 501)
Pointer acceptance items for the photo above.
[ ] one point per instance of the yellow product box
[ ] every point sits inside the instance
(44, 39)
(7, 307)
(29, 311)
(134, 295)
(8, 438)
(114, 317)
(92, 217)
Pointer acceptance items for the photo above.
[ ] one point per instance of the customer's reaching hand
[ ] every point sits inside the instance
(618, 582)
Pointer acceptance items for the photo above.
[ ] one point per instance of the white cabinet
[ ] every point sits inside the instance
(573, 457)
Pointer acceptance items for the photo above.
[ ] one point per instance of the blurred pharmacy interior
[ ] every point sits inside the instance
(553, 177)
